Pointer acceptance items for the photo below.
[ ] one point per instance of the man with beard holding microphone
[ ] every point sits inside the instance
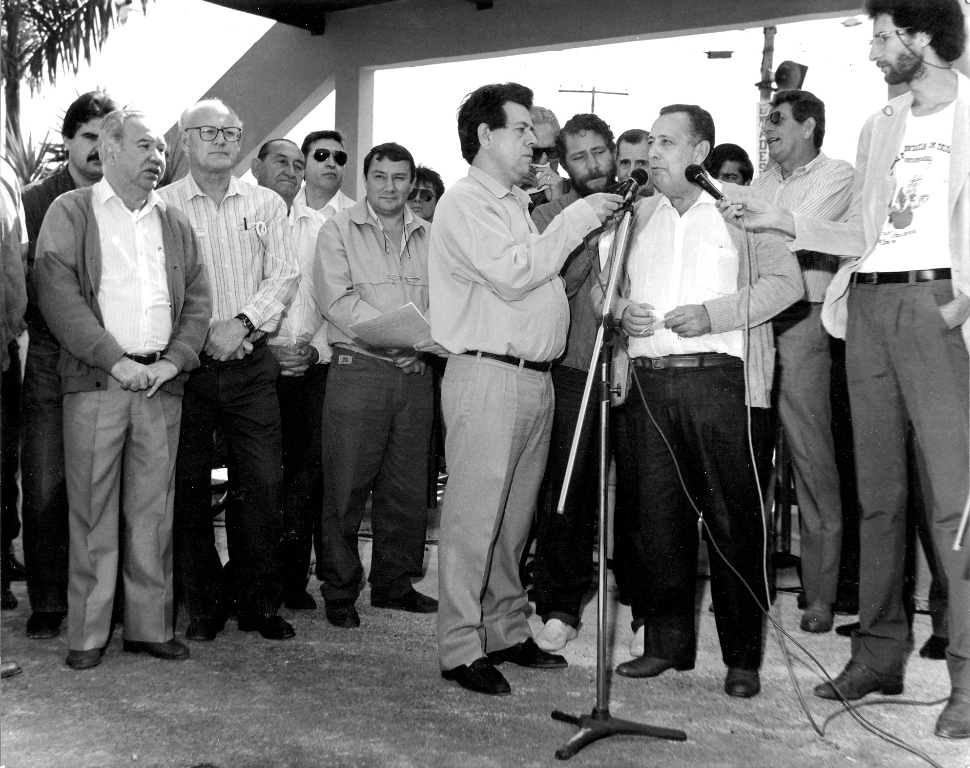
(901, 300)
(564, 542)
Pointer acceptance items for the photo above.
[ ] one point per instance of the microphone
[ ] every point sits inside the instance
(628, 189)
(695, 175)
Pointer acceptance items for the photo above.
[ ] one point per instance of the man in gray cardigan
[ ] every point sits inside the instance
(695, 312)
(120, 285)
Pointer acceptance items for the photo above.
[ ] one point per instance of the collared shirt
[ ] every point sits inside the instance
(679, 260)
(495, 284)
(360, 275)
(303, 319)
(246, 248)
(821, 189)
(133, 292)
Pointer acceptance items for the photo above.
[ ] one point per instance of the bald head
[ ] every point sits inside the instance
(203, 129)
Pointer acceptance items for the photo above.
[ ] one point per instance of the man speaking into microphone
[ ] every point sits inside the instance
(695, 310)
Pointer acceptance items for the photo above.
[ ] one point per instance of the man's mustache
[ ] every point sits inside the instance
(94, 157)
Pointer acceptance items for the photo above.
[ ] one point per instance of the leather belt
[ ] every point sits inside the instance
(154, 357)
(705, 360)
(913, 276)
(518, 362)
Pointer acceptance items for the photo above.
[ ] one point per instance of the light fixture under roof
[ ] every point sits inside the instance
(719, 54)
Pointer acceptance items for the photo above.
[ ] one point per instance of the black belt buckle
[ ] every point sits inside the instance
(148, 359)
(867, 278)
(657, 363)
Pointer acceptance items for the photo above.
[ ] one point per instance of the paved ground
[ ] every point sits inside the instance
(373, 697)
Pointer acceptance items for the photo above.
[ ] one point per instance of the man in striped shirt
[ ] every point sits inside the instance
(802, 178)
(247, 252)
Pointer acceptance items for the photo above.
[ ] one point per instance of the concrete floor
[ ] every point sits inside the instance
(373, 697)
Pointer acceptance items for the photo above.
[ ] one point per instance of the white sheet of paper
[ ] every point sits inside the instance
(402, 328)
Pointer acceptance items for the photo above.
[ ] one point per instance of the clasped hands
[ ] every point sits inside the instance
(135, 377)
(687, 321)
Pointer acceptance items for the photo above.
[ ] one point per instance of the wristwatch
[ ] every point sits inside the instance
(250, 328)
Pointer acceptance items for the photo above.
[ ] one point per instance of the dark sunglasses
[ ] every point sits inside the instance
(774, 118)
(339, 156)
(424, 195)
(550, 152)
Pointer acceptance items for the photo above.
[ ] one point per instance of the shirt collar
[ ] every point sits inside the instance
(802, 169)
(103, 192)
(702, 199)
(301, 208)
(408, 216)
(496, 187)
(236, 187)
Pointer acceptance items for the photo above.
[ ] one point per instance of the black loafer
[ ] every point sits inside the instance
(43, 625)
(742, 683)
(9, 669)
(528, 654)
(84, 659)
(170, 650)
(270, 626)
(204, 629)
(480, 676)
(649, 666)
(847, 630)
(411, 601)
(954, 721)
(858, 680)
(934, 648)
(342, 613)
(300, 602)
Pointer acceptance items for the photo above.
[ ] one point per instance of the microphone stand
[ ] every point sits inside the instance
(599, 724)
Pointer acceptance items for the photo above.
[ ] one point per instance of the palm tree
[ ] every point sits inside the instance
(44, 37)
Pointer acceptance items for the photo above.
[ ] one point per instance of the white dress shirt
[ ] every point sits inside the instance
(133, 293)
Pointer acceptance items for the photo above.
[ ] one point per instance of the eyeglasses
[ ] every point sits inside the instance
(424, 195)
(775, 118)
(882, 38)
(339, 156)
(550, 152)
(209, 132)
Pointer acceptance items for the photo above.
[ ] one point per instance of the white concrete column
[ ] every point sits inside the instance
(354, 118)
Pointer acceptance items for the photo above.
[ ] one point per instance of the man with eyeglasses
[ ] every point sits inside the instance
(901, 299)
(372, 259)
(247, 251)
(802, 178)
(428, 189)
(564, 543)
(301, 348)
(542, 181)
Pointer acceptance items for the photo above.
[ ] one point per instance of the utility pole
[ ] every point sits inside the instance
(593, 92)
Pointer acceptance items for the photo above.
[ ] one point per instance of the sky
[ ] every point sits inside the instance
(422, 118)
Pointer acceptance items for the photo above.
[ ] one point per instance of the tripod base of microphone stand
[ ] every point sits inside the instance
(599, 724)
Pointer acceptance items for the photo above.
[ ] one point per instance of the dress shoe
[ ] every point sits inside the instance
(170, 650)
(555, 634)
(649, 666)
(9, 669)
(480, 676)
(742, 683)
(638, 642)
(411, 601)
(13, 569)
(301, 601)
(270, 626)
(934, 648)
(858, 680)
(84, 659)
(528, 654)
(342, 613)
(817, 619)
(954, 721)
(7, 600)
(43, 625)
(847, 630)
(204, 629)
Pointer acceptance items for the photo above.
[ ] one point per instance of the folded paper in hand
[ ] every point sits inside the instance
(402, 328)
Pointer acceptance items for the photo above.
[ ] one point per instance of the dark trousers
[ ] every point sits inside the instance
(905, 365)
(702, 414)
(564, 544)
(44, 507)
(376, 437)
(239, 397)
(10, 446)
(625, 517)
(301, 416)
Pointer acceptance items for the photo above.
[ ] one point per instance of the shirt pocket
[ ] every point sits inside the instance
(717, 269)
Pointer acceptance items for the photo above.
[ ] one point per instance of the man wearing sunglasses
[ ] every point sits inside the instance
(246, 248)
(301, 348)
(542, 182)
(901, 299)
(802, 178)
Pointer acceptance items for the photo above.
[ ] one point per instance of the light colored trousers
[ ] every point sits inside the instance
(498, 419)
(120, 452)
